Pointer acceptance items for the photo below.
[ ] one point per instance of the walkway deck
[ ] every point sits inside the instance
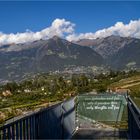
(100, 134)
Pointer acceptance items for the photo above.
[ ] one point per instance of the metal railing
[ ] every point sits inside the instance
(133, 119)
(55, 122)
(58, 122)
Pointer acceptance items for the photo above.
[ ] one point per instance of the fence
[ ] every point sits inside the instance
(58, 122)
(133, 120)
(55, 122)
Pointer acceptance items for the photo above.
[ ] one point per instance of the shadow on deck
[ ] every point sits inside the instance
(99, 134)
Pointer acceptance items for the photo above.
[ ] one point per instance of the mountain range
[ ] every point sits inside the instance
(19, 60)
(118, 52)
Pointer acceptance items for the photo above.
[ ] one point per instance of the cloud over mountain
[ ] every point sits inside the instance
(64, 28)
(58, 27)
(132, 29)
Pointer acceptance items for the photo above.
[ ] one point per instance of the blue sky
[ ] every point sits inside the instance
(71, 20)
(88, 16)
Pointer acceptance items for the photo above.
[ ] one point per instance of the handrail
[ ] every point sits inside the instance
(133, 104)
(133, 119)
(49, 122)
(59, 119)
(23, 117)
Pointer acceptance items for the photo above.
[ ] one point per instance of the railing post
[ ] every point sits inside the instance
(37, 126)
(62, 121)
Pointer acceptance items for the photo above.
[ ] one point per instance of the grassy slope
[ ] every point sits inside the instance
(127, 82)
(131, 83)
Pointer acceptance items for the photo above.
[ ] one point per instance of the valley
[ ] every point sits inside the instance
(44, 90)
(38, 74)
(18, 61)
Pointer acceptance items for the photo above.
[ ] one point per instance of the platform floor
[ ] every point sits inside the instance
(100, 134)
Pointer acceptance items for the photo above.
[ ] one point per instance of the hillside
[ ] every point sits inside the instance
(128, 83)
(44, 89)
(128, 56)
(132, 84)
(107, 46)
(118, 52)
(19, 60)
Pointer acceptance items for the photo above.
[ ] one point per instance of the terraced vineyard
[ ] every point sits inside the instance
(133, 86)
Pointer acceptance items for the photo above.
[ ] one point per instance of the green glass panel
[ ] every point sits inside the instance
(102, 107)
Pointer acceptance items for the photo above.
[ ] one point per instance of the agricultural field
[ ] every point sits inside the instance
(132, 84)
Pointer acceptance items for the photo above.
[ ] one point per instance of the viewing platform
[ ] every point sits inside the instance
(100, 116)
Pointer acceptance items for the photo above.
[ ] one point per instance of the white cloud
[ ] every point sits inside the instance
(63, 28)
(59, 27)
(132, 29)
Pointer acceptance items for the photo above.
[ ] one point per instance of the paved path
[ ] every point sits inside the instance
(100, 134)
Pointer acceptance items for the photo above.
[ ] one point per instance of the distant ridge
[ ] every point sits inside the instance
(18, 60)
(56, 54)
(118, 52)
